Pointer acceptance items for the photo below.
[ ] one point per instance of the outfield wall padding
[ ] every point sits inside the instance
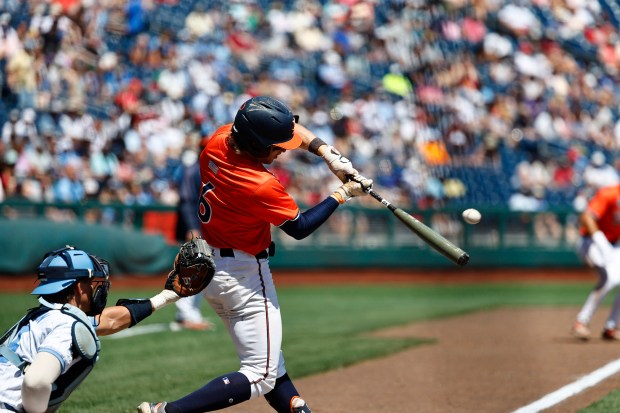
(352, 237)
(23, 242)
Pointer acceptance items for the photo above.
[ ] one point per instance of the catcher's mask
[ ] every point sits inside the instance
(262, 122)
(64, 267)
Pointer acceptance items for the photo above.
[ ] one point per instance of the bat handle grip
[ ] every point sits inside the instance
(380, 199)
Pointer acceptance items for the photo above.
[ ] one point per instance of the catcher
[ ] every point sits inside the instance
(52, 349)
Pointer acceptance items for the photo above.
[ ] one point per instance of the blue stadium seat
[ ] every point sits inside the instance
(612, 10)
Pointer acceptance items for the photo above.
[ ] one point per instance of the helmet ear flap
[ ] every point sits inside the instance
(251, 146)
(257, 150)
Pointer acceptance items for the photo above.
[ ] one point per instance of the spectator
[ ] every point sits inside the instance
(9, 128)
(69, 188)
(199, 22)
(9, 39)
(20, 79)
(597, 174)
(492, 69)
(527, 200)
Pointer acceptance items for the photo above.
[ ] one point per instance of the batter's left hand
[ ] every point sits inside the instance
(338, 164)
(355, 187)
(365, 183)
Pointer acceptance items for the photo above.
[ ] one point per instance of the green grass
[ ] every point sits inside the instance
(611, 403)
(324, 328)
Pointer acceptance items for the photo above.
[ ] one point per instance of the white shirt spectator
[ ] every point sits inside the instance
(599, 173)
(536, 65)
(497, 45)
(519, 19)
(174, 82)
(199, 23)
(76, 126)
(9, 40)
(525, 202)
(331, 71)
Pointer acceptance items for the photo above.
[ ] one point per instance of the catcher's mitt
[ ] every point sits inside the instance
(193, 268)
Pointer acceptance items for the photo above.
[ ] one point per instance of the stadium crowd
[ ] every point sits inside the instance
(483, 101)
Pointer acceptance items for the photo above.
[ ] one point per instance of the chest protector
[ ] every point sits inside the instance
(85, 346)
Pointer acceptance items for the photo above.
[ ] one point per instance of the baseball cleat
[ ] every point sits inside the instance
(580, 331)
(611, 334)
(298, 405)
(146, 407)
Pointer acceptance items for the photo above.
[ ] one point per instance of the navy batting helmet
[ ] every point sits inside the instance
(262, 122)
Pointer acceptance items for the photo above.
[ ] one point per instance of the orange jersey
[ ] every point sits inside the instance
(605, 206)
(240, 199)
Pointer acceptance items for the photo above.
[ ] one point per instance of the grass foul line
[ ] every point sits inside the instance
(145, 329)
(572, 389)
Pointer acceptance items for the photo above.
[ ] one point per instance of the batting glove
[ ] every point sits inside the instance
(338, 164)
(352, 189)
(363, 181)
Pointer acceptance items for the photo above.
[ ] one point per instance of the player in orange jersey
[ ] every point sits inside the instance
(239, 202)
(600, 230)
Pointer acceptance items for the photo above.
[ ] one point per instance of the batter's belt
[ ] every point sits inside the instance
(4, 406)
(266, 253)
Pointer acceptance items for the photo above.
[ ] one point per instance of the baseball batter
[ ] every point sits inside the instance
(52, 349)
(239, 202)
(600, 230)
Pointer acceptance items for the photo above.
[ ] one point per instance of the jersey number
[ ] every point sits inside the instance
(204, 209)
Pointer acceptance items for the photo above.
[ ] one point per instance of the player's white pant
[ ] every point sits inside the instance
(242, 293)
(609, 278)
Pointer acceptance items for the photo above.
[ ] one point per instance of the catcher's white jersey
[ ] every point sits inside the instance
(51, 332)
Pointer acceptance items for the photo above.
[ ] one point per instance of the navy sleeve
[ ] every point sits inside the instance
(307, 222)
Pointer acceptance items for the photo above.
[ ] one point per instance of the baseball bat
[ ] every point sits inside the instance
(432, 238)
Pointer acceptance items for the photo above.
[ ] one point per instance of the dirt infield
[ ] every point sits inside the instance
(489, 362)
(24, 283)
(492, 361)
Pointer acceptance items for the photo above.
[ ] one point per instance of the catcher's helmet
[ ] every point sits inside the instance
(262, 122)
(64, 267)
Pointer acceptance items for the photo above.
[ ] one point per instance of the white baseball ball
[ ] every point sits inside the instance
(472, 216)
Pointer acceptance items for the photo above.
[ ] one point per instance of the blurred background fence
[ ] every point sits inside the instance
(142, 238)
